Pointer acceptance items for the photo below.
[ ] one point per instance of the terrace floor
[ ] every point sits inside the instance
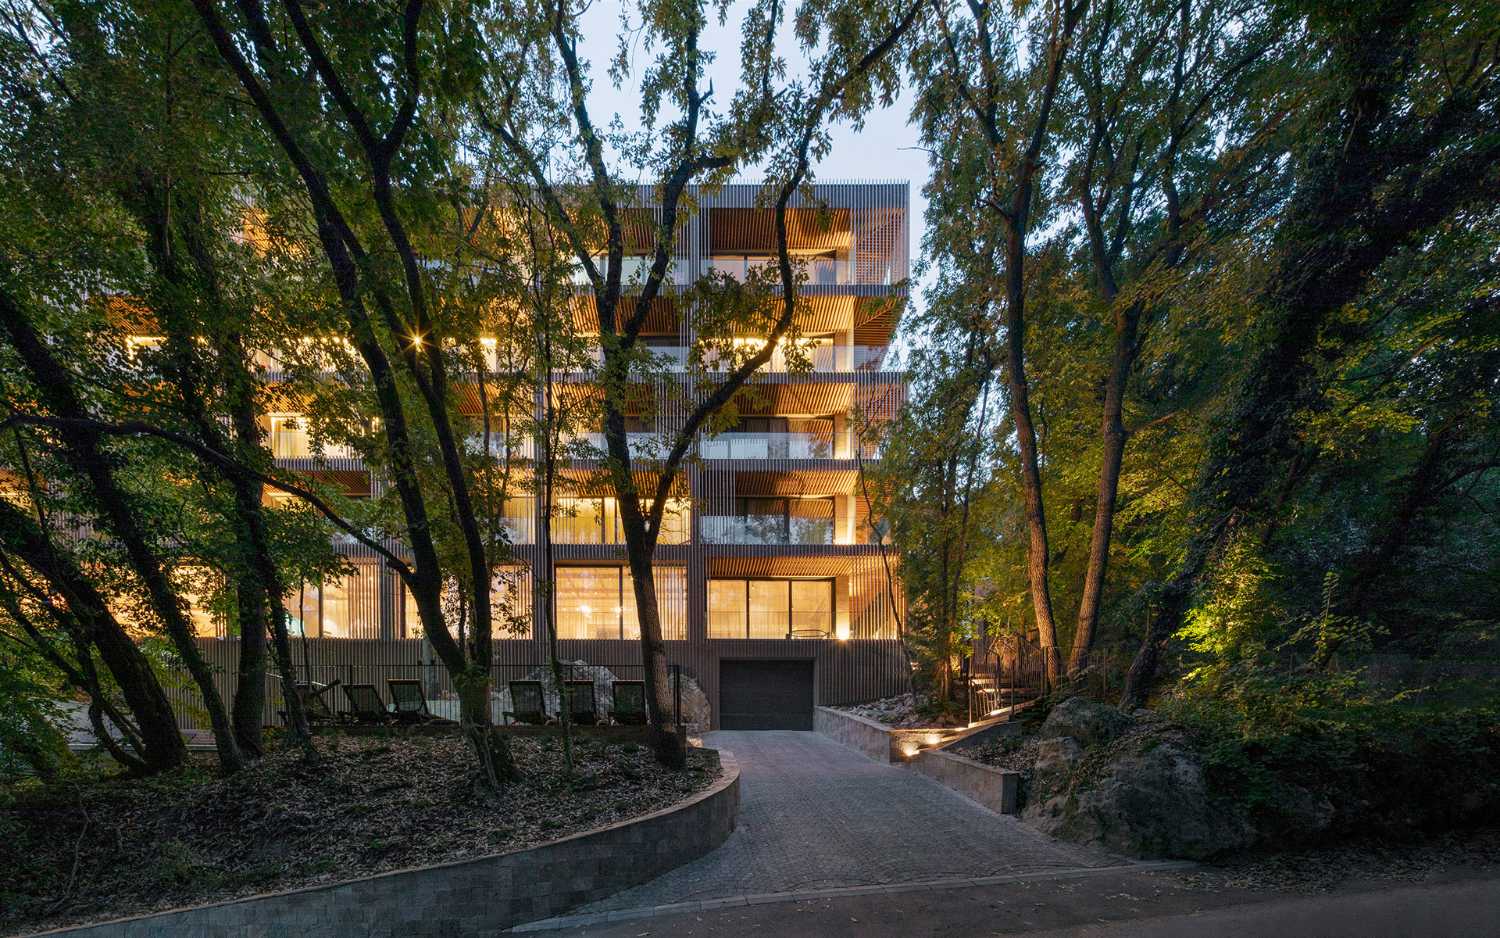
(815, 815)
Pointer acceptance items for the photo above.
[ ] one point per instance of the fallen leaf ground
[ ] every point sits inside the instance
(99, 846)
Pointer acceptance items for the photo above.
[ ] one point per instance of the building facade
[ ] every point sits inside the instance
(773, 595)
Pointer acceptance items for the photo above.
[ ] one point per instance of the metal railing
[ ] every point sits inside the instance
(1002, 673)
(821, 358)
(765, 529)
(738, 445)
(514, 445)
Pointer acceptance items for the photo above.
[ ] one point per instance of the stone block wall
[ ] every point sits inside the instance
(869, 737)
(995, 788)
(480, 896)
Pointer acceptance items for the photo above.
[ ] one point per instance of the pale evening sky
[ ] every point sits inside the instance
(886, 147)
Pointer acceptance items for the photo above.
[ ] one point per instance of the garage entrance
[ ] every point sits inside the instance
(766, 695)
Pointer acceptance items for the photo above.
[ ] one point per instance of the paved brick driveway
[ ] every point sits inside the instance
(817, 815)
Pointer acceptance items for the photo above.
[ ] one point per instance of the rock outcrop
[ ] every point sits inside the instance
(1087, 721)
(1135, 787)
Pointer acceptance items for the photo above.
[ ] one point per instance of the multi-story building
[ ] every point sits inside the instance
(772, 592)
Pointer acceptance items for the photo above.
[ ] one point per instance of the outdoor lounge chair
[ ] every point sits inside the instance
(365, 704)
(314, 704)
(408, 702)
(527, 705)
(583, 708)
(629, 703)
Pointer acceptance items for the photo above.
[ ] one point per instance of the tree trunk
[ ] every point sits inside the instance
(250, 682)
(666, 737)
(1031, 477)
(82, 450)
(162, 745)
(1112, 433)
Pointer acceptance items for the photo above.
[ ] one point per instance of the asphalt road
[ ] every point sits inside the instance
(1102, 904)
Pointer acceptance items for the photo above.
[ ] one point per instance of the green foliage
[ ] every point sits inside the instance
(1389, 764)
(1337, 501)
(32, 719)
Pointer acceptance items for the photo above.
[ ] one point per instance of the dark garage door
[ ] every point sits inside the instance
(766, 695)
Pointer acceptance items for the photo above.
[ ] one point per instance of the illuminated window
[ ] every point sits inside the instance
(137, 344)
(411, 619)
(596, 520)
(201, 589)
(726, 608)
(770, 608)
(599, 603)
(290, 439)
(510, 606)
(339, 607)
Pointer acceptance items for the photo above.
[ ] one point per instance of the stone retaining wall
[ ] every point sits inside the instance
(892, 744)
(480, 896)
(995, 788)
(875, 740)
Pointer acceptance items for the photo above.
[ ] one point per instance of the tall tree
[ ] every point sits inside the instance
(1402, 137)
(991, 79)
(849, 46)
(1166, 105)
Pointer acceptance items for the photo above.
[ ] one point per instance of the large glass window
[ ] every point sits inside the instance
(510, 605)
(339, 607)
(202, 589)
(599, 603)
(812, 609)
(726, 608)
(596, 520)
(770, 608)
(768, 614)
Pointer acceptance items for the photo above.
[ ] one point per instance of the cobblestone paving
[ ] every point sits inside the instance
(817, 815)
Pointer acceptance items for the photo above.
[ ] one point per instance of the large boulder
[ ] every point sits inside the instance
(1145, 796)
(1056, 760)
(1088, 721)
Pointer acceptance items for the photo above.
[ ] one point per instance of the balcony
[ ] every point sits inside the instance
(821, 271)
(737, 445)
(765, 529)
(289, 439)
(823, 359)
(641, 445)
(513, 446)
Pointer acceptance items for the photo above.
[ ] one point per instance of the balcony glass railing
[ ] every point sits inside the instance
(775, 446)
(515, 446)
(296, 444)
(822, 358)
(665, 357)
(821, 271)
(642, 445)
(765, 529)
(634, 269)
